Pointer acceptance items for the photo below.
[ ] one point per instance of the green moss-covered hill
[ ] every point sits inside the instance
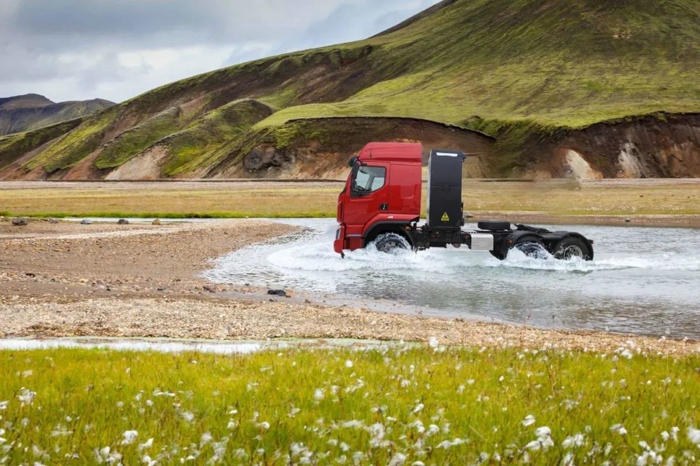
(523, 71)
(33, 111)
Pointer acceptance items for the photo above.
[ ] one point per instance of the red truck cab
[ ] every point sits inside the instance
(382, 192)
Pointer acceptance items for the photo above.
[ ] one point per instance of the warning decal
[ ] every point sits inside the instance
(445, 217)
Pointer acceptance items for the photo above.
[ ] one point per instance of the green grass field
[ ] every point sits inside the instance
(300, 200)
(394, 406)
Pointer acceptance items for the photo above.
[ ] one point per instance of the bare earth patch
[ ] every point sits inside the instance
(143, 281)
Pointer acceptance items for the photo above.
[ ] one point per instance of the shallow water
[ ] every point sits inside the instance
(643, 281)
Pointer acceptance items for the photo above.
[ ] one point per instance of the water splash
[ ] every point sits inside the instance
(640, 277)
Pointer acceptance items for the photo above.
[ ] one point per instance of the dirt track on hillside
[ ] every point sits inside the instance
(142, 281)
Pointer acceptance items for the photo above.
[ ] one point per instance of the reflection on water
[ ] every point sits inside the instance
(643, 280)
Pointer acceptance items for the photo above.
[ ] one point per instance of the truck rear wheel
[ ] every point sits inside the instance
(391, 242)
(572, 247)
(531, 247)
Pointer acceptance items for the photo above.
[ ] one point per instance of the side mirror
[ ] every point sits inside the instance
(353, 161)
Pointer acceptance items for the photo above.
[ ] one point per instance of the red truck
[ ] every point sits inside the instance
(381, 205)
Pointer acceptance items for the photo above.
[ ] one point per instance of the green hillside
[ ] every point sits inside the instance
(510, 68)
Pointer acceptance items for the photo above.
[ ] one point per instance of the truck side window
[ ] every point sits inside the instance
(368, 180)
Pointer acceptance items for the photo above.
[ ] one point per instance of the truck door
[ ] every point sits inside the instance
(369, 194)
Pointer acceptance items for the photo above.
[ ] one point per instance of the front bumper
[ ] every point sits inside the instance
(339, 243)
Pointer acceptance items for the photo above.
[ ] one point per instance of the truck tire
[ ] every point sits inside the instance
(391, 242)
(572, 247)
(531, 247)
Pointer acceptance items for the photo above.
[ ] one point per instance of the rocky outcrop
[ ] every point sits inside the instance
(655, 146)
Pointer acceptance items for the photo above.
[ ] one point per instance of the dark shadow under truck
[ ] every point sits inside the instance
(381, 205)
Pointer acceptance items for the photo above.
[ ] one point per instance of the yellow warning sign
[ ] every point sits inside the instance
(445, 217)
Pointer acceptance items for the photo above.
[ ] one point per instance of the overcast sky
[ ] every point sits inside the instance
(117, 49)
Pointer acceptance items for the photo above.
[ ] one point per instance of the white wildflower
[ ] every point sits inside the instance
(419, 407)
(147, 444)
(568, 460)
(26, 396)
(129, 437)
(529, 420)
(619, 428)
(349, 364)
(344, 446)
(3, 405)
(418, 425)
(187, 416)
(319, 394)
(206, 438)
(694, 435)
(432, 430)
(398, 460)
(433, 342)
(264, 425)
(148, 461)
(573, 441)
(665, 435)
(674, 433)
(354, 424)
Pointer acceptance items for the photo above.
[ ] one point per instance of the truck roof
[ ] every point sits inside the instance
(392, 152)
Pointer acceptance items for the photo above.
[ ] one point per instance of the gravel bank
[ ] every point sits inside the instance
(142, 281)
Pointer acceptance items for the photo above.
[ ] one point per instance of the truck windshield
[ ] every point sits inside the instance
(368, 179)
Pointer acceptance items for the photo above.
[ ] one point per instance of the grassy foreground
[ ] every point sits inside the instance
(296, 200)
(392, 406)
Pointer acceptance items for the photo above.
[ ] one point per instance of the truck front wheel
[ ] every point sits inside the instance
(391, 242)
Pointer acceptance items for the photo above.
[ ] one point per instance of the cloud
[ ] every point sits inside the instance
(115, 49)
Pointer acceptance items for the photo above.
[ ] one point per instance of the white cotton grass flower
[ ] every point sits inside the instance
(397, 460)
(349, 364)
(146, 445)
(187, 416)
(319, 394)
(129, 437)
(529, 420)
(3, 405)
(419, 407)
(573, 441)
(619, 428)
(544, 439)
(264, 425)
(694, 435)
(26, 396)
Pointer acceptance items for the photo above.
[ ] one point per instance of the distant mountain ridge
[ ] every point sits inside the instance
(33, 111)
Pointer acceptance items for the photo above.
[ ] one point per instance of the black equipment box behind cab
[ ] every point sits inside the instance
(445, 208)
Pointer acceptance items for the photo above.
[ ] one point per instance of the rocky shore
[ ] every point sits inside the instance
(65, 279)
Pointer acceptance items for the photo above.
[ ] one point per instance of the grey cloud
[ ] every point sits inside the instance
(73, 47)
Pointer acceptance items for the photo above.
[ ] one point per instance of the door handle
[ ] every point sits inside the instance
(384, 207)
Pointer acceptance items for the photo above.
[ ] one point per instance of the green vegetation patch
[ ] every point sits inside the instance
(388, 406)
(197, 145)
(139, 138)
(13, 147)
(75, 145)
